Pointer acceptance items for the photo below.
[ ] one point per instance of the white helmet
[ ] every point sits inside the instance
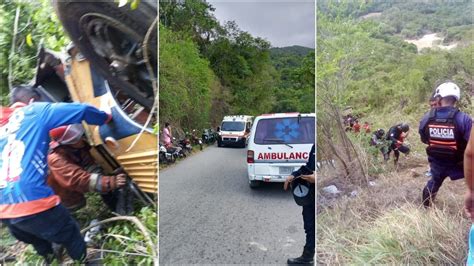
(448, 89)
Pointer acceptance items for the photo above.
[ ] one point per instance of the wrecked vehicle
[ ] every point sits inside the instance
(112, 65)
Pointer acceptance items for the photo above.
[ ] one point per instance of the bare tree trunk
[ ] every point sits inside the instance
(12, 50)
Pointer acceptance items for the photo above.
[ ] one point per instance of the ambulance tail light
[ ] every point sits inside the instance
(250, 156)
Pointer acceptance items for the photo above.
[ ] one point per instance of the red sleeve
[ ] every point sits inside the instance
(68, 175)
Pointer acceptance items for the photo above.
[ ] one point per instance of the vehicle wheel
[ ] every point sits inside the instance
(111, 38)
(254, 184)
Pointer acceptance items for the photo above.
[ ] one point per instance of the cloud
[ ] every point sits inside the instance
(283, 23)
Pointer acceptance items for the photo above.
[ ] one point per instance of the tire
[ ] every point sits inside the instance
(254, 184)
(78, 17)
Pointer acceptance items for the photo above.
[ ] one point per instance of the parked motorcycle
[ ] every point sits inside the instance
(185, 144)
(165, 156)
(195, 139)
(208, 136)
(177, 150)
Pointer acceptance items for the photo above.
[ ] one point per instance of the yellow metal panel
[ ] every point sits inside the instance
(146, 176)
(140, 160)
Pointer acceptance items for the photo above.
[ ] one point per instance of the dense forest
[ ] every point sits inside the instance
(24, 27)
(209, 69)
(409, 19)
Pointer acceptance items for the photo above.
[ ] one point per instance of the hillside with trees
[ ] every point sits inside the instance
(209, 69)
(366, 65)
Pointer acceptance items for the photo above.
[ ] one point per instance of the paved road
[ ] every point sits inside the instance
(209, 214)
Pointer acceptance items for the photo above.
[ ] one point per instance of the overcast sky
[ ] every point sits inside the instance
(283, 23)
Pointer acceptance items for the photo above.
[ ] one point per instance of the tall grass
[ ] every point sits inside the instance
(386, 224)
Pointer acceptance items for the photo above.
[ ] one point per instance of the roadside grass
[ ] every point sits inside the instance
(385, 222)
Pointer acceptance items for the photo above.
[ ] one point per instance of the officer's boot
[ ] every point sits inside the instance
(427, 197)
(306, 258)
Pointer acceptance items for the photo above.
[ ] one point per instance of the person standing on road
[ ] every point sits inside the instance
(396, 136)
(446, 130)
(309, 212)
(73, 171)
(166, 136)
(469, 199)
(28, 206)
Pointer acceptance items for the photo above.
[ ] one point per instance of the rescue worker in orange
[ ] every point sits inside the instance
(366, 127)
(73, 171)
(356, 126)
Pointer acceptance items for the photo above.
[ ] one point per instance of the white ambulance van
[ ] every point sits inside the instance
(278, 145)
(235, 130)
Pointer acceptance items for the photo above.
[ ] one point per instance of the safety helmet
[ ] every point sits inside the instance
(448, 89)
(65, 135)
(405, 127)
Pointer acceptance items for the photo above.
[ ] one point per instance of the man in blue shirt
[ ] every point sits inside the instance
(446, 130)
(28, 206)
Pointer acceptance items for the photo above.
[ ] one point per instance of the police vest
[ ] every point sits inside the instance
(444, 142)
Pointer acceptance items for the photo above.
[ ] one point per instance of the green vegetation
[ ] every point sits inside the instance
(37, 25)
(208, 70)
(410, 19)
(366, 64)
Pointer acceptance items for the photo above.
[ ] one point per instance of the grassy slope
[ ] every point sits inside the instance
(385, 223)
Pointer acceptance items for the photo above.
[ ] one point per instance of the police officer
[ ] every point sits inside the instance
(396, 136)
(309, 212)
(446, 130)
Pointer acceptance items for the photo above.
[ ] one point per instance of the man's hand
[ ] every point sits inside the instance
(469, 204)
(310, 178)
(121, 180)
(288, 181)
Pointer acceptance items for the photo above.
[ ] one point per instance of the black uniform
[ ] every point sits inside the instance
(309, 211)
(394, 135)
